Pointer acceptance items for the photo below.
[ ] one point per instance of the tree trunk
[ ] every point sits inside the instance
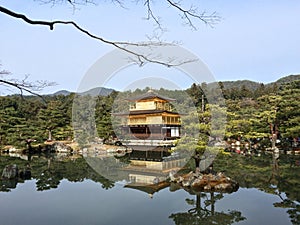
(49, 135)
(212, 199)
(198, 201)
(202, 103)
(274, 135)
(197, 159)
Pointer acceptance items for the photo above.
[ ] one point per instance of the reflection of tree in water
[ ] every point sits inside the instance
(293, 209)
(47, 180)
(109, 167)
(268, 173)
(206, 214)
(76, 170)
(275, 168)
(7, 184)
(49, 171)
(280, 182)
(280, 177)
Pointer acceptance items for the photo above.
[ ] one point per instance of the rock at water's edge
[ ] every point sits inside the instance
(205, 182)
(10, 172)
(59, 147)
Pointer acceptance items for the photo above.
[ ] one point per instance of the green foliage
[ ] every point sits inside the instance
(84, 119)
(16, 124)
(49, 172)
(249, 113)
(51, 117)
(289, 110)
(103, 116)
(252, 118)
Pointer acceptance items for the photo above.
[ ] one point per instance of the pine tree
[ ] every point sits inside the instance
(52, 117)
(289, 110)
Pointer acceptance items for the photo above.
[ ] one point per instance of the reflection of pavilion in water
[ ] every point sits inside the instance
(150, 128)
(149, 169)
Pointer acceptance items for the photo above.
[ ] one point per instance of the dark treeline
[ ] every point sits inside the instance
(250, 112)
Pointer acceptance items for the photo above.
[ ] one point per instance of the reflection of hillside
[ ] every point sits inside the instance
(49, 170)
(249, 171)
(276, 177)
(255, 172)
(109, 167)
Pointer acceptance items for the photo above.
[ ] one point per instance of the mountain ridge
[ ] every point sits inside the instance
(252, 85)
(98, 91)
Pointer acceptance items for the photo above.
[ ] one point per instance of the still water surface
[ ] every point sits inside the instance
(89, 200)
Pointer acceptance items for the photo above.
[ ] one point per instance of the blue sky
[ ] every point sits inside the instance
(255, 40)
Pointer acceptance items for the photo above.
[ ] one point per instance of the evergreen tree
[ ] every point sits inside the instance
(52, 117)
(289, 110)
(103, 116)
(196, 93)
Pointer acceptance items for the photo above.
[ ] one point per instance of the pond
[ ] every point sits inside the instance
(68, 190)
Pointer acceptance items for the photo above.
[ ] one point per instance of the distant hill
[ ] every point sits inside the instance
(252, 85)
(62, 92)
(102, 91)
(286, 79)
(93, 92)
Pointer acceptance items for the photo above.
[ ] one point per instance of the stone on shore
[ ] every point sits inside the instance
(10, 172)
(206, 182)
(59, 147)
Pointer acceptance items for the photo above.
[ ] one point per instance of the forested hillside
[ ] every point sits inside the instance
(250, 111)
(252, 85)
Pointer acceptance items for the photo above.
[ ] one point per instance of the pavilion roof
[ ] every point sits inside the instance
(150, 95)
(139, 112)
(148, 188)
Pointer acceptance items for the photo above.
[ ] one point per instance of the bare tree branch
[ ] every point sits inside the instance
(120, 45)
(192, 12)
(21, 86)
(24, 85)
(151, 15)
(72, 2)
(188, 15)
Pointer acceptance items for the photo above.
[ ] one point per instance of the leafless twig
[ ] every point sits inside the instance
(192, 13)
(120, 45)
(186, 14)
(150, 15)
(24, 85)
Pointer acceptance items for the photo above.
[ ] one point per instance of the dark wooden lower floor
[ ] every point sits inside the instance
(150, 132)
(149, 155)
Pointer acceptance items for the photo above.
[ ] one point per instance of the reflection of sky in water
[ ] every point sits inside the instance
(88, 203)
(256, 206)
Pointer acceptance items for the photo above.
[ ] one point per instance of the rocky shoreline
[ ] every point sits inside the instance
(205, 182)
(67, 147)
